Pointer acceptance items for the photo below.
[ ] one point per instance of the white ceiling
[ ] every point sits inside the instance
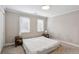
(36, 9)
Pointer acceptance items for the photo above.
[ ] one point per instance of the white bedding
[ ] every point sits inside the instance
(39, 45)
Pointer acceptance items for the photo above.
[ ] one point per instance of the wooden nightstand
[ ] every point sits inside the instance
(18, 41)
(46, 35)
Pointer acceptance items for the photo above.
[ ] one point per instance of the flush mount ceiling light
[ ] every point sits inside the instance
(45, 7)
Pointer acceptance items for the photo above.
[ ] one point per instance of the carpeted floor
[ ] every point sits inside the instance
(66, 50)
(63, 49)
(13, 50)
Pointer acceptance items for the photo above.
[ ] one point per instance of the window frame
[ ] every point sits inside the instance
(27, 25)
(42, 25)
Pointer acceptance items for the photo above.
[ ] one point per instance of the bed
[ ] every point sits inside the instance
(40, 45)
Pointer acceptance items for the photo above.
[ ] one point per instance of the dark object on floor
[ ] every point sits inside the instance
(18, 41)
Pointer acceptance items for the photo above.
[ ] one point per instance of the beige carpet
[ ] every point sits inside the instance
(13, 50)
(63, 49)
(66, 49)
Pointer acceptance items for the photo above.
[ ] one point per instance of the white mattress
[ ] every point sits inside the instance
(39, 45)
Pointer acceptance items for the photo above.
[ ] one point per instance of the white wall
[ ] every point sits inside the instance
(2, 29)
(65, 27)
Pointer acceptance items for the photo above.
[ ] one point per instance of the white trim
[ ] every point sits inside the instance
(72, 44)
(21, 12)
(72, 11)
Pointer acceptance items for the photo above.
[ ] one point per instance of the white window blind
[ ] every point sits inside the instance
(40, 25)
(24, 24)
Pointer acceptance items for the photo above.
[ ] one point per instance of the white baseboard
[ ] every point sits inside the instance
(72, 44)
(7, 44)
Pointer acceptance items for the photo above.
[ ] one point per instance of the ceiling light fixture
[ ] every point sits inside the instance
(45, 7)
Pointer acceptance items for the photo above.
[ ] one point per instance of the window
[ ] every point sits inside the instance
(24, 24)
(40, 25)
